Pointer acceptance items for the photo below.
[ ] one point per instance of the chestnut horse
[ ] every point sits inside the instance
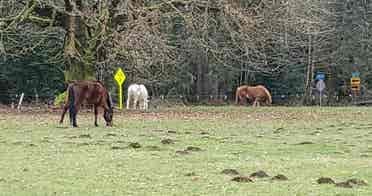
(256, 94)
(90, 92)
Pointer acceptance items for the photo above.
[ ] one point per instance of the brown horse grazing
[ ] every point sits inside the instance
(256, 94)
(90, 92)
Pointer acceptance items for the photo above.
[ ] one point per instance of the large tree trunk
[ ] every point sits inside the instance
(309, 74)
(79, 56)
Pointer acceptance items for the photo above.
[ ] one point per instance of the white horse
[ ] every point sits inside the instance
(137, 95)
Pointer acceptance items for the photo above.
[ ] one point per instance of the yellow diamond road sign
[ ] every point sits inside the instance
(120, 76)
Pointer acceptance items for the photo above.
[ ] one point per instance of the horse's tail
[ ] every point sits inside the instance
(237, 95)
(71, 101)
(268, 95)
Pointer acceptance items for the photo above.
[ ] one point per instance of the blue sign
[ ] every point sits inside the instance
(355, 74)
(320, 76)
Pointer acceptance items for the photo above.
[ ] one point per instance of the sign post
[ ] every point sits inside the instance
(355, 83)
(120, 78)
(320, 85)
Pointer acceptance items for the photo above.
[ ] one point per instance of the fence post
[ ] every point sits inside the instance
(20, 102)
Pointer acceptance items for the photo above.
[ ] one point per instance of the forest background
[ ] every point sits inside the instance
(197, 49)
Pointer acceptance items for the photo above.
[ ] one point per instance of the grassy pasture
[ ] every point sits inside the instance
(40, 157)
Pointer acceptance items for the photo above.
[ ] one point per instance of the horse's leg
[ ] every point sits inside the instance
(135, 103)
(254, 103)
(77, 107)
(65, 108)
(143, 104)
(95, 114)
(128, 102)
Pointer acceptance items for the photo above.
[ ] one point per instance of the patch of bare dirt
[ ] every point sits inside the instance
(241, 179)
(167, 141)
(280, 177)
(325, 180)
(259, 174)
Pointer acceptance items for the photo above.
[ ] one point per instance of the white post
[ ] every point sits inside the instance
(20, 102)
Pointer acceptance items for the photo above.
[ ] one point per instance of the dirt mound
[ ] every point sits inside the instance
(230, 172)
(358, 182)
(190, 174)
(111, 135)
(85, 136)
(167, 141)
(83, 144)
(153, 148)
(259, 174)
(325, 180)
(134, 145)
(346, 184)
(280, 177)
(242, 179)
(117, 148)
(193, 148)
(182, 152)
(305, 143)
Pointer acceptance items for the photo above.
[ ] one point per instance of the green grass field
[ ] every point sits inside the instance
(40, 157)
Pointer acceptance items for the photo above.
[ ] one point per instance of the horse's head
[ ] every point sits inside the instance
(108, 115)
